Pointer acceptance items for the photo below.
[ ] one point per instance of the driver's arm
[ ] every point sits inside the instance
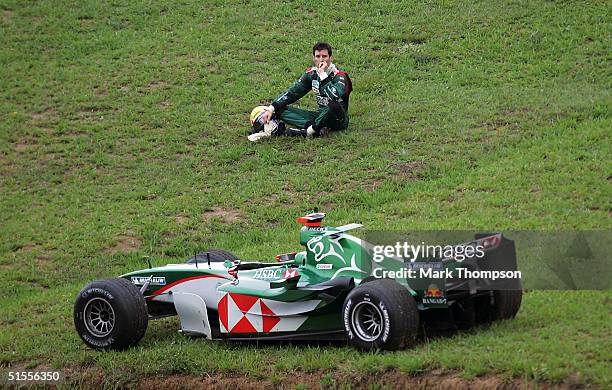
(336, 87)
(295, 92)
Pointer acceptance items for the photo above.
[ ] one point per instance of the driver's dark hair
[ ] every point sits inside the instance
(322, 46)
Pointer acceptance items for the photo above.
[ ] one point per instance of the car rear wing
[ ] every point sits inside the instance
(496, 270)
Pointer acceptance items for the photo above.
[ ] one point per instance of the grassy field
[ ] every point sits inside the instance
(123, 135)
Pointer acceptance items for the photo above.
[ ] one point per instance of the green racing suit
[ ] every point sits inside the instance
(332, 96)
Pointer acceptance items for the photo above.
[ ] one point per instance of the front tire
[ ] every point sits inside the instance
(380, 315)
(110, 314)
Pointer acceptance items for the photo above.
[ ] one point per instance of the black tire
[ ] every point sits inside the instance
(499, 305)
(507, 304)
(110, 314)
(216, 256)
(389, 306)
(464, 314)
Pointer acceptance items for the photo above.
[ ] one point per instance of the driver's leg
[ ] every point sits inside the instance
(296, 117)
(332, 117)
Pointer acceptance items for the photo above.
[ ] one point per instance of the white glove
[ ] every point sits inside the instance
(267, 131)
(331, 69)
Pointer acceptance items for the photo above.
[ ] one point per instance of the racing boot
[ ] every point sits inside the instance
(295, 132)
(312, 133)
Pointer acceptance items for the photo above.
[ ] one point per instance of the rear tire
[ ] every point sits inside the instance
(380, 315)
(464, 314)
(507, 304)
(500, 305)
(215, 255)
(110, 314)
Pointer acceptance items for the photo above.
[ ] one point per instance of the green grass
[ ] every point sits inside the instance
(122, 135)
(556, 335)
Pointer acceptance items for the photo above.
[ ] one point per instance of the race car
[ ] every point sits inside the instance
(333, 289)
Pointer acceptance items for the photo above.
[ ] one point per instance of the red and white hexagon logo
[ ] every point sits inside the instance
(239, 313)
(290, 273)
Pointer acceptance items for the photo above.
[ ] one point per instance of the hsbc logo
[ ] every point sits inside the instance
(268, 274)
(274, 274)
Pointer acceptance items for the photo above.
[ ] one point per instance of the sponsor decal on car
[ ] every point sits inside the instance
(155, 281)
(345, 317)
(318, 228)
(386, 320)
(90, 291)
(290, 273)
(268, 274)
(240, 313)
(324, 266)
(436, 265)
(433, 295)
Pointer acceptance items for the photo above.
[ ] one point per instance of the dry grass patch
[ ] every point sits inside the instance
(225, 215)
(44, 116)
(181, 219)
(25, 145)
(27, 248)
(410, 170)
(101, 92)
(157, 84)
(44, 259)
(124, 243)
(7, 15)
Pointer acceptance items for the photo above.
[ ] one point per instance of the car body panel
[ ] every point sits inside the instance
(302, 295)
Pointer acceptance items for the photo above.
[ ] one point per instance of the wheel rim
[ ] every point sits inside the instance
(367, 321)
(99, 317)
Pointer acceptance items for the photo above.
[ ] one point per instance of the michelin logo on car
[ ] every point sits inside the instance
(155, 281)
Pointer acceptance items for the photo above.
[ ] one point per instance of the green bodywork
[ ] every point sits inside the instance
(330, 255)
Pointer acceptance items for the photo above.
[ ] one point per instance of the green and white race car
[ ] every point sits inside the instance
(333, 289)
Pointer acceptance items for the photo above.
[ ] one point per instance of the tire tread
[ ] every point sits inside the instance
(129, 302)
(403, 312)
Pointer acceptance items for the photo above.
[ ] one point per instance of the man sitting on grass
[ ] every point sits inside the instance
(331, 87)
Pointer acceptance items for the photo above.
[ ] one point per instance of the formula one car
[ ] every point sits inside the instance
(335, 288)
